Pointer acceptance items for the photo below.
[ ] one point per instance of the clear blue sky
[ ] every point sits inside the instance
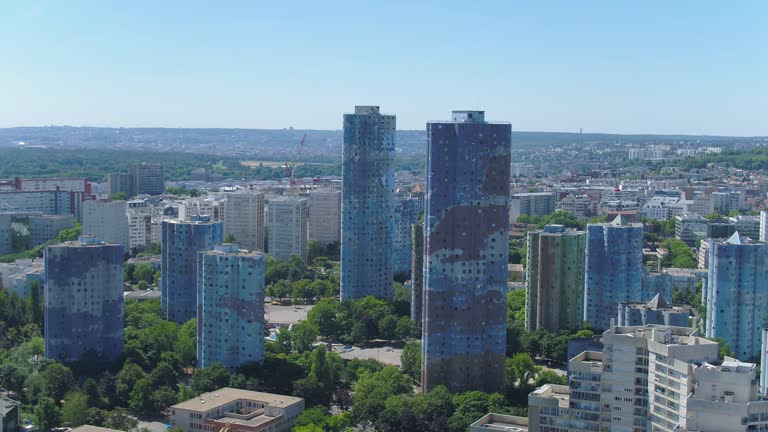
(698, 67)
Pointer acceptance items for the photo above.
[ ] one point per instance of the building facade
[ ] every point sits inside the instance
(736, 294)
(555, 279)
(417, 273)
(45, 202)
(656, 311)
(406, 214)
(236, 410)
(614, 268)
(325, 216)
(83, 299)
(531, 204)
(368, 204)
(181, 242)
(230, 307)
(47, 227)
(244, 219)
(106, 220)
(465, 253)
(288, 221)
(147, 178)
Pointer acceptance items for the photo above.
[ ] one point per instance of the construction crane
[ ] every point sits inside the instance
(290, 167)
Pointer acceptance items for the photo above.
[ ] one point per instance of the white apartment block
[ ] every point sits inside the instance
(107, 221)
(244, 219)
(648, 378)
(325, 216)
(288, 219)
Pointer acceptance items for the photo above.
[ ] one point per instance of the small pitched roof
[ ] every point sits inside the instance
(736, 239)
(619, 220)
(657, 303)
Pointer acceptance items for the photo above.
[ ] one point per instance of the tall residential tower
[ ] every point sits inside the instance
(465, 252)
(181, 242)
(230, 307)
(614, 269)
(368, 200)
(83, 299)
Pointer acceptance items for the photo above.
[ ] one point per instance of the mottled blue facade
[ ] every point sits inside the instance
(230, 309)
(736, 295)
(614, 269)
(406, 214)
(181, 242)
(465, 254)
(368, 200)
(83, 300)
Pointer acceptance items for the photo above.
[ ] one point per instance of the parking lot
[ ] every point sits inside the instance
(286, 314)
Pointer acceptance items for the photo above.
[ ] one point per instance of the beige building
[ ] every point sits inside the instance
(325, 216)
(237, 411)
(244, 219)
(500, 422)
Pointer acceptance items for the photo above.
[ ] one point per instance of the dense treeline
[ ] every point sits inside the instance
(752, 159)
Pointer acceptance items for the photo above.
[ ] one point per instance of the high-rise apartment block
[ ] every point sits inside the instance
(106, 220)
(288, 219)
(244, 219)
(325, 216)
(555, 279)
(736, 294)
(531, 204)
(417, 273)
(45, 202)
(147, 178)
(230, 309)
(368, 202)
(83, 299)
(6, 233)
(614, 268)
(46, 227)
(181, 242)
(120, 183)
(406, 214)
(465, 253)
(140, 225)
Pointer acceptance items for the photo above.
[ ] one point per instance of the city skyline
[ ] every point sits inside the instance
(600, 66)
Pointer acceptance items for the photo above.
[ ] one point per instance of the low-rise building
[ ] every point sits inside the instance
(9, 415)
(500, 422)
(238, 411)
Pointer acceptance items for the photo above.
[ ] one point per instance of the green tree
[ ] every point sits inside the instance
(118, 196)
(46, 415)
(74, 412)
(126, 380)
(143, 272)
(303, 336)
(323, 317)
(163, 398)
(140, 399)
(164, 375)
(549, 377)
(230, 238)
(120, 420)
(186, 344)
(410, 359)
(58, 379)
(210, 378)
(91, 390)
(314, 250)
(35, 304)
(387, 327)
(372, 390)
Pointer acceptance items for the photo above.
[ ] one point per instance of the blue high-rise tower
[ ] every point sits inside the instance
(465, 253)
(613, 269)
(367, 207)
(230, 314)
(83, 299)
(736, 294)
(181, 242)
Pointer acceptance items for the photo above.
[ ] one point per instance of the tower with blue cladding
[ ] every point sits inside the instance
(614, 269)
(367, 207)
(83, 299)
(181, 242)
(230, 307)
(736, 294)
(465, 253)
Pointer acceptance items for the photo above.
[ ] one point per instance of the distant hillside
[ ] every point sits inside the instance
(280, 144)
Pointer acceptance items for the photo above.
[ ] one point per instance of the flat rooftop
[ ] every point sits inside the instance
(500, 422)
(227, 395)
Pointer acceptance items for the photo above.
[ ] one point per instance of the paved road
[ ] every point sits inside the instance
(385, 355)
(286, 314)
